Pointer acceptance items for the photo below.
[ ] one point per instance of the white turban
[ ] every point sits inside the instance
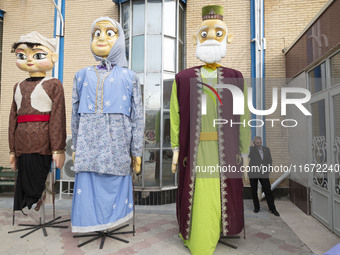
(35, 37)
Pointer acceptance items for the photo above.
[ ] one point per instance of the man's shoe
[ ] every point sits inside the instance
(256, 210)
(276, 213)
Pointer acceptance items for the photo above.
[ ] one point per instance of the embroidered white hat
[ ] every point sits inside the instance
(35, 37)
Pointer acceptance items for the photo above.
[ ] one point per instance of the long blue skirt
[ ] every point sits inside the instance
(100, 201)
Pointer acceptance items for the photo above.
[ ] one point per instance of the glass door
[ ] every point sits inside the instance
(321, 204)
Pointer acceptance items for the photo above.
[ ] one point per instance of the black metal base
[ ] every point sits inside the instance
(43, 226)
(103, 234)
(226, 243)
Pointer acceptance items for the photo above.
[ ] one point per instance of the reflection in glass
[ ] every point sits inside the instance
(168, 178)
(138, 53)
(319, 148)
(167, 87)
(149, 18)
(154, 53)
(127, 44)
(154, 17)
(151, 168)
(335, 69)
(170, 18)
(181, 20)
(318, 118)
(181, 38)
(152, 128)
(317, 78)
(140, 77)
(166, 130)
(126, 19)
(180, 56)
(152, 91)
(138, 17)
(169, 54)
(336, 109)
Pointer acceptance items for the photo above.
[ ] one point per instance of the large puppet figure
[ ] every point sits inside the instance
(37, 124)
(209, 204)
(107, 130)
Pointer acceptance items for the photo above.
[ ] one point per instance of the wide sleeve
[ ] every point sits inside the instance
(174, 118)
(13, 115)
(75, 117)
(57, 123)
(245, 134)
(137, 119)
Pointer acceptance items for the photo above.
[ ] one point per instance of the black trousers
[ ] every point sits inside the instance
(267, 191)
(32, 173)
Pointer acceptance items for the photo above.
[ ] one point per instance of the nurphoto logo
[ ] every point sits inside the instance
(301, 96)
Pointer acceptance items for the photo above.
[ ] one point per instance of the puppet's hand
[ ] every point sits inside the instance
(73, 156)
(12, 161)
(174, 161)
(59, 159)
(245, 160)
(136, 162)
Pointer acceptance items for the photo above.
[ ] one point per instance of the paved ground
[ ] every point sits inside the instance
(157, 233)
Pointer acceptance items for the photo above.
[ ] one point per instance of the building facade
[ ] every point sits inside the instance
(313, 62)
(158, 44)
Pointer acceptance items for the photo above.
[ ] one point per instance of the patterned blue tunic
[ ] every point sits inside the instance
(104, 142)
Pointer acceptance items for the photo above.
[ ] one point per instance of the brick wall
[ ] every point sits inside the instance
(21, 17)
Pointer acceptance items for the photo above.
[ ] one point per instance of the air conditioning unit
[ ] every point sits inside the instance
(67, 172)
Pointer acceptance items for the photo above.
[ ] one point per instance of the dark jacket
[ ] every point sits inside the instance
(256, 160)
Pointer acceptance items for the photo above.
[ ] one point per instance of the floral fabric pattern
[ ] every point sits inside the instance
(105, 142)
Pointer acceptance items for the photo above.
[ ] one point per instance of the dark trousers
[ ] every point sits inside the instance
(32, 173)
(267, 191)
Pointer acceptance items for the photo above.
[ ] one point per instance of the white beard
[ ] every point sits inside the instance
(211, 51)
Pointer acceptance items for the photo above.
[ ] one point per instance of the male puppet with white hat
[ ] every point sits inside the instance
(37, 122)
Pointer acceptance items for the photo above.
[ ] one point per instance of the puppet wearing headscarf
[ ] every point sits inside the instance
(37, 123)
(107, 130)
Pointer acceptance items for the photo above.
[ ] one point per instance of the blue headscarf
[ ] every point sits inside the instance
(117, 54)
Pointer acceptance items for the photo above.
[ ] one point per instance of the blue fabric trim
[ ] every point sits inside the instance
(2, 13)
(117, 91)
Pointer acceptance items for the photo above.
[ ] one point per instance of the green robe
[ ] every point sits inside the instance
(206, 213)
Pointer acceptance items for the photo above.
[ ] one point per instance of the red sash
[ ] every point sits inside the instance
(32, 118)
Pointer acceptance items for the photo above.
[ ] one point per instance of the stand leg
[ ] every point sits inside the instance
(133, 193)
(15, 188)
(42, 225)
(103, 234)
(102, 242)
(227, 243)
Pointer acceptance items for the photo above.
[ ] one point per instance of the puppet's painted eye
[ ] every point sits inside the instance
(204, 34)
(110, 32)
(39, 55)
(96, 33)
(219, 33)
(21, 56)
